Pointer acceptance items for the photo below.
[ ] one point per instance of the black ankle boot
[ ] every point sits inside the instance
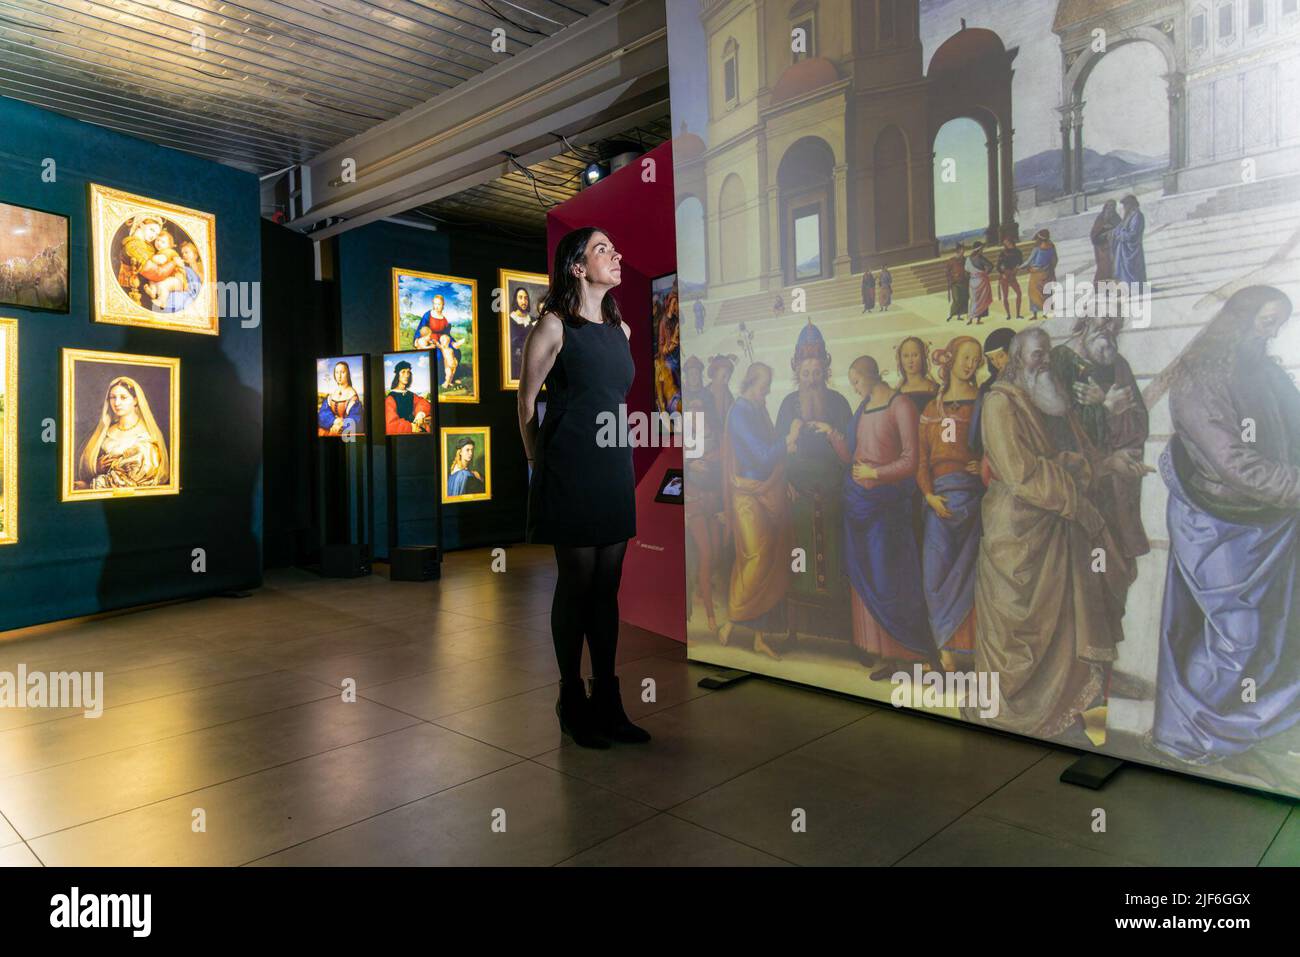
(608, 716)
(575, 713)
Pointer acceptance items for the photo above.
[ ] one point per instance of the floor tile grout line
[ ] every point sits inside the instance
(157, 697)
(396, 807)
(971, 808)
(21, 840)
(1025, 826)
(171, 737)
(1294, 812)
(225, 781)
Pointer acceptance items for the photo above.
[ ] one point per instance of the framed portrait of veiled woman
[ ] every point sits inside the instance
(121, 425)
(440, 313)
(8, 431)
(466, 464)
(154, 264)
(521, 298)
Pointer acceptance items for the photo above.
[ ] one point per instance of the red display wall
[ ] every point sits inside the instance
(635, 207)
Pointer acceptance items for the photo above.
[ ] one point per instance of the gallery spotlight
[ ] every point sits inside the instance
(594, 173)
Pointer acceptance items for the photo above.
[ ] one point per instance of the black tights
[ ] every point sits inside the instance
(586, 603)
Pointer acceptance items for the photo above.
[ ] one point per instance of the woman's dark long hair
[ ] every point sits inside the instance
(564, 298)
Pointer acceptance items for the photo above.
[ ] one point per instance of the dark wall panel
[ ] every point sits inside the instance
(83, 557)
(366, 258)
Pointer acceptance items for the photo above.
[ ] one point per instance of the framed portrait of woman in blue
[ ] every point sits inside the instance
(154, 264)
(440, 313)
(466, 464)
(341, 397)
(8, 431)
(121, 425)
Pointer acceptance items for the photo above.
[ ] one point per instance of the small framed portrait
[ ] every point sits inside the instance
(440, 314)
(466, 464)
(408, 405)
(121, 425)
(33, 259)
(521, 299)
(665, 337)
(341, 397)
(8, 431)
(670, 487)
(154, 264)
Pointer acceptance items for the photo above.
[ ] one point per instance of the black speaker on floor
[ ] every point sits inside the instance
(415, 563)
(345, 561)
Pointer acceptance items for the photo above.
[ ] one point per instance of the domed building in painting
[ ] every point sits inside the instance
(821, 128)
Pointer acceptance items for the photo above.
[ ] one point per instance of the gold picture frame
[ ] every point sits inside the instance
(128, 278)
(89, 383)
(510, 281)
(8, 431)
(413, 294)
(481, 434)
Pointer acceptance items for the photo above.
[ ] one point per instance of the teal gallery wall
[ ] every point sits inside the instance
(78, 558)
(366, 258)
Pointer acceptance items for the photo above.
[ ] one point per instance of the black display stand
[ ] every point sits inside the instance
(724, 679)
(411, 563)
(347, 503)
(1091, 771)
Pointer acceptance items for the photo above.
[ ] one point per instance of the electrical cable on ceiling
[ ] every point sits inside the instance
(532, 179)
(517, 26)
(593, 157)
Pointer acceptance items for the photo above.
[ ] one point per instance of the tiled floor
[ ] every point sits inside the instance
(226, 740)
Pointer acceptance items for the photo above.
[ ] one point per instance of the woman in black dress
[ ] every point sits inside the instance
(582, 493)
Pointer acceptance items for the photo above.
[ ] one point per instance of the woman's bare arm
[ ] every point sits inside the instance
(540, 349)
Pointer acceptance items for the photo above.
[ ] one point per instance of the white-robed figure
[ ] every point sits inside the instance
(127, 449)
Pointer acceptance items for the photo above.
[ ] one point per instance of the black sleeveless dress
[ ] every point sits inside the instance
(581, 493)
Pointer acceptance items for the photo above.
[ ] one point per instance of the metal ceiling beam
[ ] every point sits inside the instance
(493, 171)
(593, 79)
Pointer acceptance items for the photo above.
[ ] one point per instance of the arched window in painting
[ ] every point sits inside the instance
(806, 183)
(733, 238)
(961, 181)
(692, 260)
(1126, 114)
(803, 16)
(730, 72)
(891, 194)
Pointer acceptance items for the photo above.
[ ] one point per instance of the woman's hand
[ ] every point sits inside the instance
(940, 505)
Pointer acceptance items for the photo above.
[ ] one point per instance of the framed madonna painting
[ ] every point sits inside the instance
(121, 425)
(154, 264)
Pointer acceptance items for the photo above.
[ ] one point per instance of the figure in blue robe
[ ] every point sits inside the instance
(1233, 578)
(1126, 243)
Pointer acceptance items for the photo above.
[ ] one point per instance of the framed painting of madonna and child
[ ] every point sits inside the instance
(154, 264)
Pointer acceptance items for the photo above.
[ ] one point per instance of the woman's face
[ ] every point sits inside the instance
(341, 373)
(911, 356)
(603, 262)
(1270, 318)
(439, 304)
(121, 401)
(967, 361)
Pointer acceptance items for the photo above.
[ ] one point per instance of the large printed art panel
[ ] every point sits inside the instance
(995, 365)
